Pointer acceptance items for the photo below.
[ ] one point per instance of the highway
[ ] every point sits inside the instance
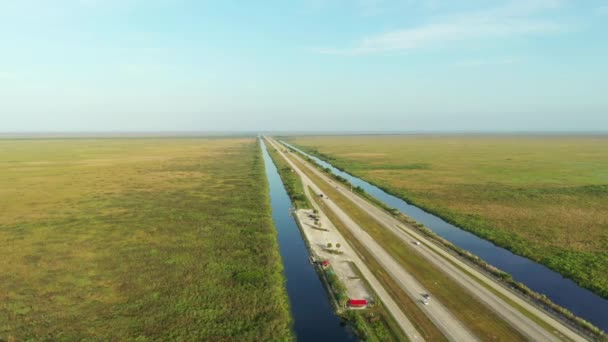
(451, 327)
(391, 306)
(461, 272)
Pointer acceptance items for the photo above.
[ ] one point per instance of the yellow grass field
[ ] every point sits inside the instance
(138, 239)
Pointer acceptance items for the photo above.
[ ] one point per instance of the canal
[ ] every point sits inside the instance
(537, 277)
(313, 315)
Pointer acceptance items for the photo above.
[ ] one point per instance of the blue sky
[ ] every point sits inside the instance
(139, 65)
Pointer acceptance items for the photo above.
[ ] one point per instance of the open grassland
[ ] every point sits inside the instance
(147, 239)
(542, 197)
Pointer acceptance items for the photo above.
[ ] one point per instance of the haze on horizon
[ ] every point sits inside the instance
(366, 65)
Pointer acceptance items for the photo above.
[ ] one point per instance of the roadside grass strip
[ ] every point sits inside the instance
(293, 183)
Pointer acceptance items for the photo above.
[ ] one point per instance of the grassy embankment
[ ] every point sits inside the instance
(291, 181)
(143, 239)
(541, 197)
(374, 324)
(481, 320)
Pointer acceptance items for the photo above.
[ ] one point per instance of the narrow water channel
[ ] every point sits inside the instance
(537, 277)
(313, 315)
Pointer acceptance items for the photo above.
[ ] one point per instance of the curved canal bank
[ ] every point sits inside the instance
(313, 315)
(537, 277)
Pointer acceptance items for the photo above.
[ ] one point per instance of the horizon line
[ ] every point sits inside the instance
(217, 133)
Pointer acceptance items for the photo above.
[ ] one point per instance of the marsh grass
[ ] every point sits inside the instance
(138, 239)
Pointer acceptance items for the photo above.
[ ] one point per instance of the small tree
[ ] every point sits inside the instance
(329, 245)
(337, 245)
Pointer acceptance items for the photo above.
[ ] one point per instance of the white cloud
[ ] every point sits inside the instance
(516, 18)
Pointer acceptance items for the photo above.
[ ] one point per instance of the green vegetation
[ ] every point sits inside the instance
(541, 197)
(337, 288)
(291, 181)
(481, 320)
(146, 239)
(372, 325)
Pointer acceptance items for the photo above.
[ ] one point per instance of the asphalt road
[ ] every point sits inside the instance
(446, 322)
